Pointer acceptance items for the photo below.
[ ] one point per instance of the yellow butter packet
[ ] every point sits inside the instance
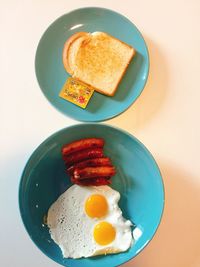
(76, 92)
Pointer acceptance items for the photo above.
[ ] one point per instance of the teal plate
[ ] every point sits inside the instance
(51, 74)
(138, 180)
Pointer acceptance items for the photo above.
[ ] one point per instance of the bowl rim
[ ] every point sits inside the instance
(107, 117)
(98, 125)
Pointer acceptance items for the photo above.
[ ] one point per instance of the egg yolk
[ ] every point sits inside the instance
(104, 233)
(96, 206)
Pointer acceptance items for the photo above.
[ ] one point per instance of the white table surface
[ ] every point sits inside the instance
(165, 118)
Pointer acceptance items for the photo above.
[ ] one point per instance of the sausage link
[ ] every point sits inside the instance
(81, 145)
(90, 163)
(94, 181)
(92, 172)
(83, 155)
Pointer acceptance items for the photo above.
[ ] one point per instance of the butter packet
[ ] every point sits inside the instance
(76, 92)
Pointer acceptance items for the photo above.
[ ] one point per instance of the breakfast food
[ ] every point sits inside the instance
(81, 145)
(97, 181)
(82, 155)
(86, 221)
(92, 172)
(97, 59)
(76, 92)
(86, 163)
(90, 163)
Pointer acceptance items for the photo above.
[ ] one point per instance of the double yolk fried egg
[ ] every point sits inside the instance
(87, 221)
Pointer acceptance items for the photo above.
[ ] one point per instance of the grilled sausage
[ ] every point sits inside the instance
(93, 172)
(94, 181)
(83, 155)
(90, 163)
(81, 145)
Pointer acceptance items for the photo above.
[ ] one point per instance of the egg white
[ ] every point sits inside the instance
(72, 229)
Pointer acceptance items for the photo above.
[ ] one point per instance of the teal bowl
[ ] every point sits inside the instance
(51, 74)
(138, 180)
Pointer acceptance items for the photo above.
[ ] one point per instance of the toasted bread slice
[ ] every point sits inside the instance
(97, 59)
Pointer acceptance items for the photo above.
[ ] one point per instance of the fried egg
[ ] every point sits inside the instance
(87, 221)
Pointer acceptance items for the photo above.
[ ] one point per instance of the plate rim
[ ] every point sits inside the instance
(20, 205)
(106, 117)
